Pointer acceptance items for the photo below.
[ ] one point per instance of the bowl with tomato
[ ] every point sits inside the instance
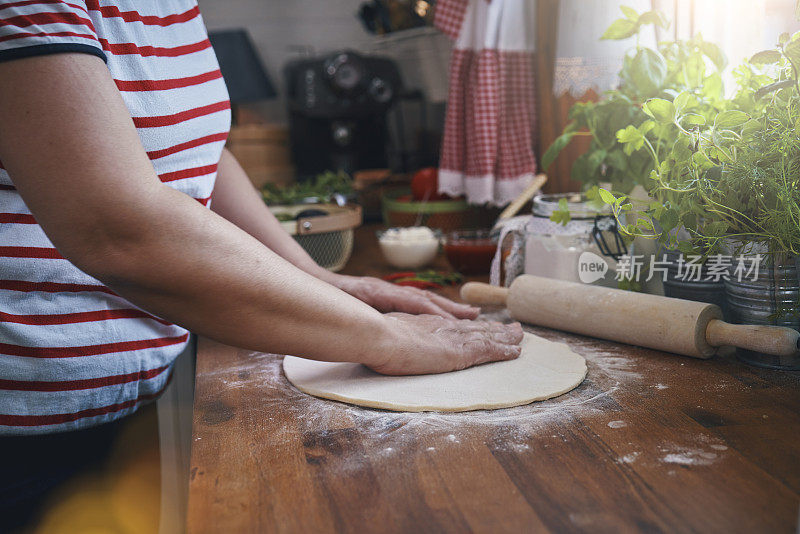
(422, 204)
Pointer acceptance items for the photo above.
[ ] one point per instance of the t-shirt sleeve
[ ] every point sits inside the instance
(39, 27)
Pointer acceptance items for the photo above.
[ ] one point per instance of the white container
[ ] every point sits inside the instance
(570, 252)
(554, 250)
(409, 248)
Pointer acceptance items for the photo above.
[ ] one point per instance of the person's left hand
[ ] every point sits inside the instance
(387, 297)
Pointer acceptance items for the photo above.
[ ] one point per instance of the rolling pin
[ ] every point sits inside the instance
(673, 325)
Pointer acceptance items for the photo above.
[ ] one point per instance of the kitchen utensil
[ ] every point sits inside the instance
(672, 325)
(516, 204)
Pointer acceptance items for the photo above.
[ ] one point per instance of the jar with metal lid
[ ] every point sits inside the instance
(585, 249)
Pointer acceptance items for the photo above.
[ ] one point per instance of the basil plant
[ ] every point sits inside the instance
(689, 67)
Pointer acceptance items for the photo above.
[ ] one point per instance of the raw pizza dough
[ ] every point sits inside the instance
(544, 369)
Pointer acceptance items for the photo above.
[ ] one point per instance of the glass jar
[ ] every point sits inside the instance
(584, 250)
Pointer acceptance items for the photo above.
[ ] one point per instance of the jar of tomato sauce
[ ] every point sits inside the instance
(470, 251)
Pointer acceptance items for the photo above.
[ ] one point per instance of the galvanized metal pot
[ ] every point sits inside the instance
(702, 290)
(771, 298)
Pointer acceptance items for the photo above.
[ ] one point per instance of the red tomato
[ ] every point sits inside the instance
(425, 184)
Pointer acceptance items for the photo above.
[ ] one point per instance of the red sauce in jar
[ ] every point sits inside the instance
(470, 254)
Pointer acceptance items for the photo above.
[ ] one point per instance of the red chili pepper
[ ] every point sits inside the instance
(396, 276)
(421, 284)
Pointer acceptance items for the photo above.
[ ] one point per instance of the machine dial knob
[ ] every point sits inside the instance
(380, 91)
(346, 73)
(342, 134)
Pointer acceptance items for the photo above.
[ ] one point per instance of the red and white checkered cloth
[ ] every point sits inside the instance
(487, 150)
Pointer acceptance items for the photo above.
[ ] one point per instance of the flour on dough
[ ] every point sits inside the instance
(544, 370)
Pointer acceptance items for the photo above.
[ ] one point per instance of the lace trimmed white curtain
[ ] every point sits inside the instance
(583, 61)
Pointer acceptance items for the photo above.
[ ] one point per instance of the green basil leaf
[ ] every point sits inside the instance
(693, 119)
(661, 110)
(681, 101)
(668, 219)
(765, 57)
(620, 29)
(694, 70)
(594, 160)
(580, 169)
(715, 54)
(555, 149)
(712, 86)
(617, 160)
(792, 51)
(731, 119)
(607, 196)
(654, 17)
(752, 126)
(631, 13)
(647, 71)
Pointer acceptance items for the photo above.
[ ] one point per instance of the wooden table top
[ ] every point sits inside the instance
(649, 442)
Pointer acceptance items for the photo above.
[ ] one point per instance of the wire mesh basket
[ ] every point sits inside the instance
(325, 231)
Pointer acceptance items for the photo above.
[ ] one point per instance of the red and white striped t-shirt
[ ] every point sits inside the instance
(72, 353)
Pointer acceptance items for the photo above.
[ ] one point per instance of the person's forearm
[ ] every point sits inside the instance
(222, 283)
(237, 200)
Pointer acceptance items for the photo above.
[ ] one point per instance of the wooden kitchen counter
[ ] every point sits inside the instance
(649, 442)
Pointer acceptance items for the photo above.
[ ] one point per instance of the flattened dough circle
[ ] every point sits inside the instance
(544, 370)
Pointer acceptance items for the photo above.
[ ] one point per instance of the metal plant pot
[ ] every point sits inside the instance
(771, 298)
(702, 290)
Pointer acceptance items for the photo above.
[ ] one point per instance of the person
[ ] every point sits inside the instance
(113, 119)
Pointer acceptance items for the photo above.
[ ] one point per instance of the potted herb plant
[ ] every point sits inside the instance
(732, 181)
(690, 67)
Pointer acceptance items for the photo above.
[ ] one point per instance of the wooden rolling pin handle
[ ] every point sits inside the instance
(481, 294)
(775, 340)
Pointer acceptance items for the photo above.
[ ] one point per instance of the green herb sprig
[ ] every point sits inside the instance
(322, 188)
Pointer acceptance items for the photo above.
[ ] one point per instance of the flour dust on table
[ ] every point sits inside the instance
(545, 369)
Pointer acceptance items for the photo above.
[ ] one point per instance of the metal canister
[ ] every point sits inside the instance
(770, 297)
(700, 289)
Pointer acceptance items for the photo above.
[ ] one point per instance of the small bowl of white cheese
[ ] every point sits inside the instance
(409, 248)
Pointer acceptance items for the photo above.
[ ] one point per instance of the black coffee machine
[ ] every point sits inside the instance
(338, 107)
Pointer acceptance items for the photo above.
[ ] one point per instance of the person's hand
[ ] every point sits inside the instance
(387, 297)
(424, 344)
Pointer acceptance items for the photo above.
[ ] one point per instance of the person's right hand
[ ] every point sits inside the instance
(426, 344)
